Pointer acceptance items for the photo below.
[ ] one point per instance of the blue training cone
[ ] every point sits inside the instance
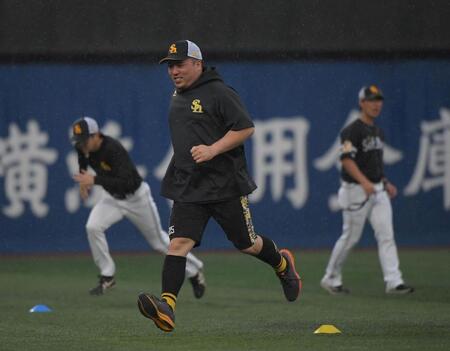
(40, 309)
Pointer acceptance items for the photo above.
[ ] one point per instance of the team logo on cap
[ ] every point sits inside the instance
(173, 49)
(77, 129)
(373, 89)
(196, 106)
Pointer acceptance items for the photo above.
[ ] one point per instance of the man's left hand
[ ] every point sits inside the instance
(391, 190)
(203, 153)
(84, 178)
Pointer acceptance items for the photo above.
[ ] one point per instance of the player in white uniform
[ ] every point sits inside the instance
(125, 194)
(365, 194)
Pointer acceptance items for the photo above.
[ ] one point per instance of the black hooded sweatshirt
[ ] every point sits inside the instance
(203, 114)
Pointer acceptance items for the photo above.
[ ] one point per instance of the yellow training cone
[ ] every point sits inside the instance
(327, 329)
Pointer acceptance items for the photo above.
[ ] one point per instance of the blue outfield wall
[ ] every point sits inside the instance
(298, 108)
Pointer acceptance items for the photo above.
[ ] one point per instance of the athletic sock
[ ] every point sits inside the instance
(170, 299)
(270, 255)
(282, 266)
(172, 278)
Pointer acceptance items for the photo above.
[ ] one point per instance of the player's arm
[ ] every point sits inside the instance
(83, 161)
(229, 141)
(348, 151)
(82, 166)
(237, 122)
(390, 188)
(352, 168)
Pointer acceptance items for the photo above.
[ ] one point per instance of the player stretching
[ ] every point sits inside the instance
(125, 194)
(207, 177)
(365, 193)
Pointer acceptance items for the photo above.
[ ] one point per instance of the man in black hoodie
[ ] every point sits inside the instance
(208, 177)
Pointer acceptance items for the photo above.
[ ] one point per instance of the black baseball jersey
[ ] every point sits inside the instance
(363, 143)
(203, 114)
(115, 171)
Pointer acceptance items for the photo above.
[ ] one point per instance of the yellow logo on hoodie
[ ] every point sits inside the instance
(196, 106)
(105, 166)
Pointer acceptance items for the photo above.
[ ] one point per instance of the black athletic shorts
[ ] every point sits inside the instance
(188, 220)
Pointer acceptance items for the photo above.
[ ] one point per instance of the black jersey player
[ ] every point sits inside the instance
(365, 194)
(207, 177)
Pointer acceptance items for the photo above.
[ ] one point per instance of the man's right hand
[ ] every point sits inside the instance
(368, 187)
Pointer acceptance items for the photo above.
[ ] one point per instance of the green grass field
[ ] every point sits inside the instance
(243, 308)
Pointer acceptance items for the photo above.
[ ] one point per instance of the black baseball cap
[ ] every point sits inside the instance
(181, 50)
(370, 93)
(82, 129)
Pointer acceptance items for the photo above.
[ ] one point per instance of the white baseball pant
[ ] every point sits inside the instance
(378, 210)
(141, 210)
